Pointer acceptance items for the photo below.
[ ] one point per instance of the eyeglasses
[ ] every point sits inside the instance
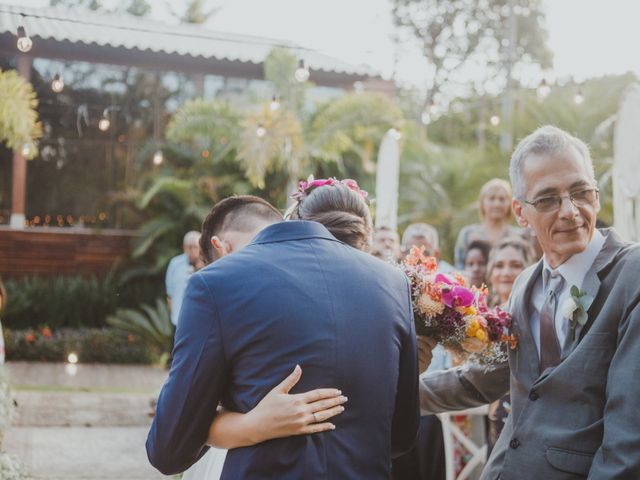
(580, 198)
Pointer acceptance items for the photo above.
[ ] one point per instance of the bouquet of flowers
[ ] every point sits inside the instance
(456, 315)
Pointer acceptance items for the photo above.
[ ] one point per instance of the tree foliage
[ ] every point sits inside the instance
(463, 36)
(19, 126)
(139, 8)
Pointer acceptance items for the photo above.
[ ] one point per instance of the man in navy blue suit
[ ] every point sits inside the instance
(293, 296)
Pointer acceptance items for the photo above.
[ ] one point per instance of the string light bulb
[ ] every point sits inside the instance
(543, 89)
(274, 104)
(302, 72)
(261, 131)
(578, 98)
(24, 42)
(104, 123)
(57, 84)
(494, 120)
(158, 158)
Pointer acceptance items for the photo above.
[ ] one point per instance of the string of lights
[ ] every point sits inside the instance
(27, 43)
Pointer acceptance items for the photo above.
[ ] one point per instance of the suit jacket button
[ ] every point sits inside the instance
(514, 443)
(533, 395)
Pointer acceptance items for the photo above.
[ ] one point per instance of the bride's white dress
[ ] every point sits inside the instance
(209, 467)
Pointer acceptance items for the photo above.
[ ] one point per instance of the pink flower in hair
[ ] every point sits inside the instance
(353, 185)
(322, 182)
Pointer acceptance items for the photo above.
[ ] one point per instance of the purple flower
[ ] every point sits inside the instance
(449, 323)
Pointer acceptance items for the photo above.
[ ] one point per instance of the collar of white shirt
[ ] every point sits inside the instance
(576, 267)
(573, 271)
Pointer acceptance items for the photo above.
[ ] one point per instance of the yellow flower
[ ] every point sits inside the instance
(467, 311)
(481, 335)
(473, 324)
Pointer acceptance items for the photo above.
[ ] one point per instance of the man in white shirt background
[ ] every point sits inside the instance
(178, 272)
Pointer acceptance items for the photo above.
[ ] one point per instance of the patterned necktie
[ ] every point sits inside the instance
(550, 350)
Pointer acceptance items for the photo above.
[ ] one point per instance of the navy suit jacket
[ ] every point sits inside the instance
(295, 295)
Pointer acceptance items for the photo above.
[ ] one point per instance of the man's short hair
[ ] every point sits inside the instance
(547, 140)
(239, 213)
(421, 230)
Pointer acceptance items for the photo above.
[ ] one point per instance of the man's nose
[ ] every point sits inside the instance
(567, 208)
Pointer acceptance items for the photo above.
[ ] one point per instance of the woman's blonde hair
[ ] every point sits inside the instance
(491, 184)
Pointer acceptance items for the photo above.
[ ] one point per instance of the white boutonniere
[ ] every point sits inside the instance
(575, 309)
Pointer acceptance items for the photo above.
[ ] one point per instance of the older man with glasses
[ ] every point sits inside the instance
(574, 376)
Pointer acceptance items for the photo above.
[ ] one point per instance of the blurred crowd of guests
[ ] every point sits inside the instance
(493, 253)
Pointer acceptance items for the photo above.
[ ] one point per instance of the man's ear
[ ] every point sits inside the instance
(221, 247)
(516, 206)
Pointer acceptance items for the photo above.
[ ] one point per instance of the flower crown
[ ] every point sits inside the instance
(306, 187)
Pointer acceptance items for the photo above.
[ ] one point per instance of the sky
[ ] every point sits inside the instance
(589, 38)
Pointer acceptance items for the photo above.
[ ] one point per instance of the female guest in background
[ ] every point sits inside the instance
(495, 214)
(506, 261)
(475, 262)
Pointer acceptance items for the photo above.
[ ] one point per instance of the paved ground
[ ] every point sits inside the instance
(86, 424)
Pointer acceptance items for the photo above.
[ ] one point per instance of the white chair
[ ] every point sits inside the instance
(477, 448)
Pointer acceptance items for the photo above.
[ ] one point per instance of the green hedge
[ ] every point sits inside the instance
(91, 345)
(72, 302)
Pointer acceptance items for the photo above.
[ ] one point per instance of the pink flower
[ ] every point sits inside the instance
(322, 182)
(442, 278)
(453, 294)
(457, 297)
(353, 185)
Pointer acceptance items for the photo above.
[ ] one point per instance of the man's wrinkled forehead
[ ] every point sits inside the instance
(553, 173)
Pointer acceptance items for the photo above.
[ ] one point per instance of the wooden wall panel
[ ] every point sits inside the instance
(61, 251)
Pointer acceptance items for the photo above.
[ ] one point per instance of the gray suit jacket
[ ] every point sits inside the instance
(581, 418)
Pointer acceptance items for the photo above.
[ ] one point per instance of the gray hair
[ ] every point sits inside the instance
(547, 140)
(191, 238)
(423, 230)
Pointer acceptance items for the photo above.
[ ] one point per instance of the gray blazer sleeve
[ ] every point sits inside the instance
(463, 387)
(617, 457)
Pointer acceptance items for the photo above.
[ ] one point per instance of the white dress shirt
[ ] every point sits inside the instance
(573, 272)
